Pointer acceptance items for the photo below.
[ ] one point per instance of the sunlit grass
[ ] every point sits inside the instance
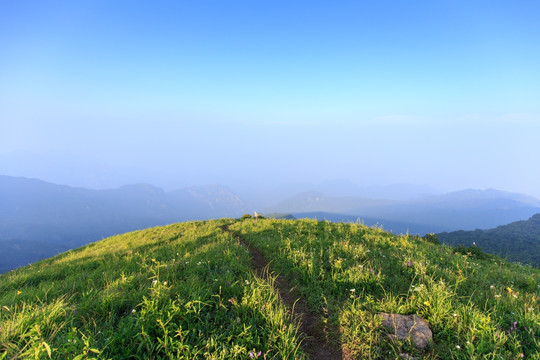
(181, 291)
(353, 273)
(188, 291)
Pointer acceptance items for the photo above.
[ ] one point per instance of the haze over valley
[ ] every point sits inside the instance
(39, 219)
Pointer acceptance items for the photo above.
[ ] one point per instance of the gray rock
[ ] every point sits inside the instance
(408, 326)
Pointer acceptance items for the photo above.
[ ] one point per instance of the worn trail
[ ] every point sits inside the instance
(314, 343)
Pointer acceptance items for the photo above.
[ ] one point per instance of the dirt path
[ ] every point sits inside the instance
(312, 331)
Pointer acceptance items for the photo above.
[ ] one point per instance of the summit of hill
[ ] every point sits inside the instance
(268, 289)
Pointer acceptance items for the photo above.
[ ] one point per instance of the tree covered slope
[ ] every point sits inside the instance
(517, 241)
(190, 291)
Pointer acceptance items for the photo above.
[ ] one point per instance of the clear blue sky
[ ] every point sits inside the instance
(179, 93)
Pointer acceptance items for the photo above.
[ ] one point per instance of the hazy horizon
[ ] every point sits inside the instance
(253, 95)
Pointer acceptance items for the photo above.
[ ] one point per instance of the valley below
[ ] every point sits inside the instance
(40, 219)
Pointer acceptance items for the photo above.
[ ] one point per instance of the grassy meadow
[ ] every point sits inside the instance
(478, 306)
(188, 291)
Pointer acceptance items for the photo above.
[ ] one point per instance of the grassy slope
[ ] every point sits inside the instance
(187, 291)
(470, 303)
(180, 291)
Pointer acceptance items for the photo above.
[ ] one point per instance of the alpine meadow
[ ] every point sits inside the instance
(269, 180)
(191, 291)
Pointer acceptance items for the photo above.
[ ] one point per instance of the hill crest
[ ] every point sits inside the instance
(189, 290)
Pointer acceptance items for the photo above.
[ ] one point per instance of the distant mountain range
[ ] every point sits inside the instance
(269, 196)
(35, 214)
(39, 219)
(517, 241)
(466, 210)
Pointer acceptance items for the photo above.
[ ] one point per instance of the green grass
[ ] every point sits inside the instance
(187, 291)
(352, 273)
(180, 291)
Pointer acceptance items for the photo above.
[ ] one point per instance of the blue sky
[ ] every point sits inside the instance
(178, 93)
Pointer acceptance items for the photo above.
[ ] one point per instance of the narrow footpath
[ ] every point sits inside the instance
(313, 342)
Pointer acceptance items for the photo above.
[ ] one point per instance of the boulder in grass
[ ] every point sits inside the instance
(408, 326)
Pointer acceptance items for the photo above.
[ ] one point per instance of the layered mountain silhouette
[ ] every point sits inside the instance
(465, 210)
(39, 219)
(35, 214)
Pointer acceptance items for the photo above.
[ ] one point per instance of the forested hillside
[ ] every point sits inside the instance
(517, 241)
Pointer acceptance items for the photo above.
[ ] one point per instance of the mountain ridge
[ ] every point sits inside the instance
(64, 217)
(35, 210)
(467, 209)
